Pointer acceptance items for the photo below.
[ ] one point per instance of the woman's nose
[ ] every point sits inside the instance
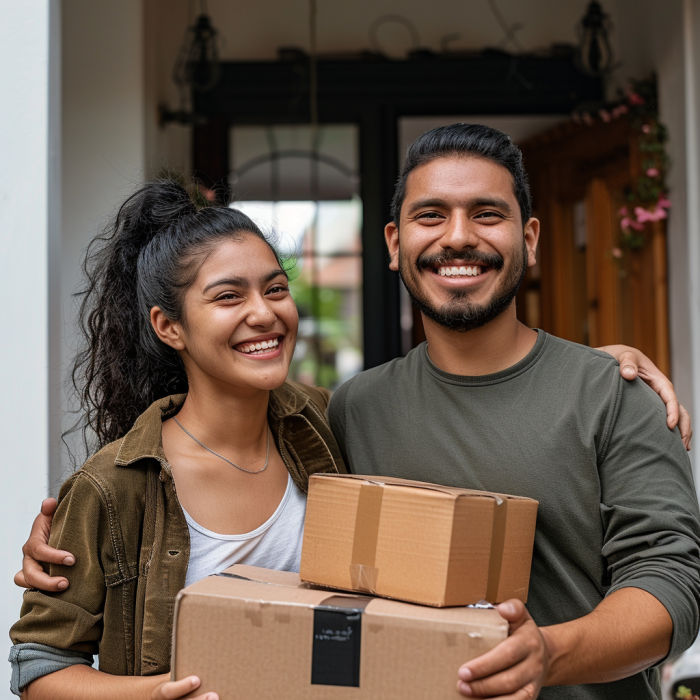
(260, 312)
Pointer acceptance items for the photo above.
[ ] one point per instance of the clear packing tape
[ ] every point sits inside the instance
(363, 570)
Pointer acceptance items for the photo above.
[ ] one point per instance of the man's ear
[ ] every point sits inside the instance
(532, 236)
(166, 330)
(391, 236)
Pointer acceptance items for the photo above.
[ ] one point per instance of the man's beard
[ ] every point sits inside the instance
(459, 314)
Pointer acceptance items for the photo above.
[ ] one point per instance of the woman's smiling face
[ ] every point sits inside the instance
(239, 323)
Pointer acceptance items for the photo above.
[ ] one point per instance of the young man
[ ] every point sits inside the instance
(488, 403)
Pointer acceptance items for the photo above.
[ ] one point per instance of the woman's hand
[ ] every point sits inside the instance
(170, 690)
(37, 549)
(634, 363)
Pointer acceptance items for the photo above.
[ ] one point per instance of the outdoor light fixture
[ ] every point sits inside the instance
(197, 67)
(594, 54)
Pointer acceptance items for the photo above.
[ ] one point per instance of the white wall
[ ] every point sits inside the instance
(29, 239)
(104, 133)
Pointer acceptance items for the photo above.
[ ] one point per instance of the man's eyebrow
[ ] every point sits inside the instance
(244, 281)
(427, 202)
(496, 202)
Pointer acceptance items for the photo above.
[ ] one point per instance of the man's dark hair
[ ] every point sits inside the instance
(465, 140)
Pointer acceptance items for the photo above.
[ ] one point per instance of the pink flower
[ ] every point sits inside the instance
(627, 223)
(663, 202)
(623, 109)
(646, 128)
(616, 253)
(604, 115)
(643, 215)
(636, 99)
(623, 212)
(652, 172)
(586, 118)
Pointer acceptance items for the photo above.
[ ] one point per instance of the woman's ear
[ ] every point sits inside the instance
(168, 331)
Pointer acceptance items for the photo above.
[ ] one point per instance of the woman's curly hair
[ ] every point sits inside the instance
(147, 256)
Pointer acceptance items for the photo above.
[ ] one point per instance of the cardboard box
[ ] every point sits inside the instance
(418, 542)
(254, 634)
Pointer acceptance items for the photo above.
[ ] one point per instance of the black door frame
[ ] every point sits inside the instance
(375, 94)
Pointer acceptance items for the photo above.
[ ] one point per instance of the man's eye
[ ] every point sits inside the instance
(429, 215)
(488, 215)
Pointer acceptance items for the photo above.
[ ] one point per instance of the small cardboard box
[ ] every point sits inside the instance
(415, 541)
(256, 634)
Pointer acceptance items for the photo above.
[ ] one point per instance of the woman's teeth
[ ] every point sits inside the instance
(459, 271)
(258, 348)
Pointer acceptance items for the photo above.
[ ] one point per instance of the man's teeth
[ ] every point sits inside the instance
(459, 271)
(257, 348)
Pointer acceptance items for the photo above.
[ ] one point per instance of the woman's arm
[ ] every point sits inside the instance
(633, 364)
(84, 683)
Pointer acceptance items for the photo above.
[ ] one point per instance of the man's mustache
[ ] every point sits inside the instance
(468, 256)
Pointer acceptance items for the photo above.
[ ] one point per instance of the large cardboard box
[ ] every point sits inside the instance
(254, 634)
(415, 541)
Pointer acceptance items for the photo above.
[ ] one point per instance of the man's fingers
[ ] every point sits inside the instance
(500, 684)
(35, 577)
(176, 689)
(20, 580)
(508, 653)
(528, 692)
(48, 507)
(37, 549)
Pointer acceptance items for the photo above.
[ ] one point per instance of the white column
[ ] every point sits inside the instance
(29, 239)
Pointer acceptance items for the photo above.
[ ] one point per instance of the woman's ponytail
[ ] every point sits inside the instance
(147, 256)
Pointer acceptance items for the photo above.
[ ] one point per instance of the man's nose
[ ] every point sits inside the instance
(459, 233)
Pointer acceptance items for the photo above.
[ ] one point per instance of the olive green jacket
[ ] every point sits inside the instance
(120, 516)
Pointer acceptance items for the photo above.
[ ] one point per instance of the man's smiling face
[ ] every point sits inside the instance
(461, 248)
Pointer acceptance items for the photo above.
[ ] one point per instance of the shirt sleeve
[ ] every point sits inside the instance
(650, 512)
(336, 418)
(72, 619)
(32, 661)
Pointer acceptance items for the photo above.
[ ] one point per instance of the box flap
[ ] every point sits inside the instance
(393, 481)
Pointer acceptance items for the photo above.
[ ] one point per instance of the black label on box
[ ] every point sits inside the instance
(337, 641)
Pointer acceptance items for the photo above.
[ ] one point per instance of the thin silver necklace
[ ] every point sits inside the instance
(247, 471)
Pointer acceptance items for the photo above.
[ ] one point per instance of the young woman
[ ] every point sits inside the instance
(205, 450)
(178, 300)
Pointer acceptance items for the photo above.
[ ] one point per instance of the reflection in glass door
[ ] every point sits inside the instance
(302, 188)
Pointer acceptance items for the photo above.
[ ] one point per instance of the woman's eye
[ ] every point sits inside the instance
(278, 289)
(227, 296)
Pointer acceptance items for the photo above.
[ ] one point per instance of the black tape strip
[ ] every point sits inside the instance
(338, 641)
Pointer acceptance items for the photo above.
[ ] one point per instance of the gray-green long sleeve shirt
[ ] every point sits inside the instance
(617, 499)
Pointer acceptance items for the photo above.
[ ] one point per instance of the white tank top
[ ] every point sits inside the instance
(276, 544)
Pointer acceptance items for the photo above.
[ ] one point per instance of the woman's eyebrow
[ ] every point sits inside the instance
(244, 281)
